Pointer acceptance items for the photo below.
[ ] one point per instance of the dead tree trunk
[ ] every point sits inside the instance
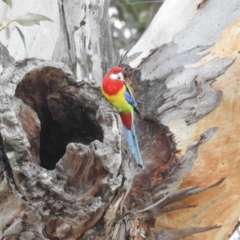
(66, 171)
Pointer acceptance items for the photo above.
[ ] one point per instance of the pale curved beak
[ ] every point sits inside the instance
(120, 76)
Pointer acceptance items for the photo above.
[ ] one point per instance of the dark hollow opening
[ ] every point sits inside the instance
(65, 109)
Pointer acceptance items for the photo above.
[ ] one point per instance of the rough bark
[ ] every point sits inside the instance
(66, 171)
(195, 62)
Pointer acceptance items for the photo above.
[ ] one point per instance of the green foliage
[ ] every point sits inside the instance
(26, 20)
(8, 2)
(22, 36)
(7, 31)
(30, 19)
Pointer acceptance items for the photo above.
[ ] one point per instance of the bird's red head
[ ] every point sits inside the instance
(113, 81)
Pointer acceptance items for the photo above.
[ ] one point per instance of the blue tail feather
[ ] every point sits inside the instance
(131, 138)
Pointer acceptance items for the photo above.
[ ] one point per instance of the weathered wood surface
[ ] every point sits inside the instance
(195, 58)
(66, 200)
(44, 112)
(185, 78)
(77, 27)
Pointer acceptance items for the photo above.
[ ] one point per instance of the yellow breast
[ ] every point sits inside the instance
(118, 101)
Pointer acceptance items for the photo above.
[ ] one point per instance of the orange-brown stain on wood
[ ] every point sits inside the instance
(217, 158)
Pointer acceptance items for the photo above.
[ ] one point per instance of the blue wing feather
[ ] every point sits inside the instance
(131, 138)
(129, 97)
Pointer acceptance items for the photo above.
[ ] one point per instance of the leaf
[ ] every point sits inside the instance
(21, 35)
(8, 2)
(7, 32)
(30, 19)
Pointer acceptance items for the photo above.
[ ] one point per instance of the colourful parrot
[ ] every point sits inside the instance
(116, 90)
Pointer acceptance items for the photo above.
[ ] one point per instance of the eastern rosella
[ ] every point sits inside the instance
(116, 90)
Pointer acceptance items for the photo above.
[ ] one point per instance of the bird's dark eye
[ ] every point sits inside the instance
(115, 72)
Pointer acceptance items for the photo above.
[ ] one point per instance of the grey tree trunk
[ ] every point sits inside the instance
(66, 170)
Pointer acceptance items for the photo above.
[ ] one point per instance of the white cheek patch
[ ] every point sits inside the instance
(114, 76)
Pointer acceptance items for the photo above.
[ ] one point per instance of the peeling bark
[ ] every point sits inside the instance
(48, 112)
(72, 197)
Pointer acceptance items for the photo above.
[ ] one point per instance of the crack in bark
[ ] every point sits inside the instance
(65, 25)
